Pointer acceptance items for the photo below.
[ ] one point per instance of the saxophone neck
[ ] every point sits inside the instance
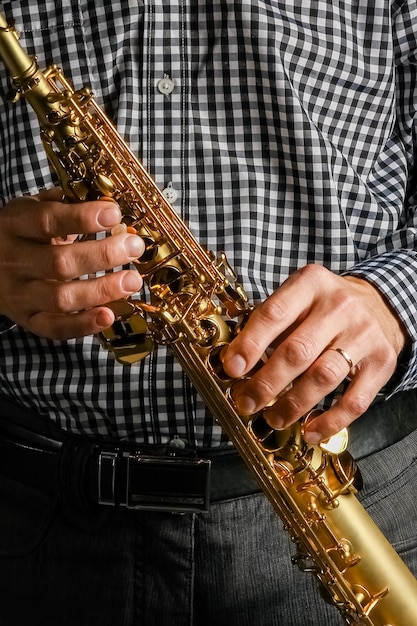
(26, 77)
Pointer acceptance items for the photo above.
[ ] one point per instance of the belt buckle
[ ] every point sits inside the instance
(169, 483)
(173, 483)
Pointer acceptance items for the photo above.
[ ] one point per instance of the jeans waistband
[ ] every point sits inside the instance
(383, 424)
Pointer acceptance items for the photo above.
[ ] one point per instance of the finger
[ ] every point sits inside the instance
(87, 257)
(287, 306)
(266, 322)
(320, 379)
(64, 327)
(327, 373)
(351, 405)
(291, 359)
(31, 218)
(71, 296)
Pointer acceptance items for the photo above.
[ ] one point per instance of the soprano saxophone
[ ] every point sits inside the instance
(196, 309)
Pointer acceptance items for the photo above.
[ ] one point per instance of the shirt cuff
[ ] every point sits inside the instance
(394, 274)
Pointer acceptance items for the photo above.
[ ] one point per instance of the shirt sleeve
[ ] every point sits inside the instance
(392, 268)
(394, 274)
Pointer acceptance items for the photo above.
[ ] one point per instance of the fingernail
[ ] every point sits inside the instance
(236, 366)
(133, 246)
(109, 216)
(102, 319)
(131, 282)
(274, 419)
(246, 405)
(313, 436)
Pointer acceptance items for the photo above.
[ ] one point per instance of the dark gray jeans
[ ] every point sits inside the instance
(230, 567)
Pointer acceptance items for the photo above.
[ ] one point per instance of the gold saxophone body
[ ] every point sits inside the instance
(197, 307)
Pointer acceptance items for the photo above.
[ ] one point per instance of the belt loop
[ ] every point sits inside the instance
(74, 457)
(107, 468)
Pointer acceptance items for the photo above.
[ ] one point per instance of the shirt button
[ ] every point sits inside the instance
(166, 85)
(177, 443)
(170, 193)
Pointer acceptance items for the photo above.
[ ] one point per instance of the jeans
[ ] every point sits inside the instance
(230, 567)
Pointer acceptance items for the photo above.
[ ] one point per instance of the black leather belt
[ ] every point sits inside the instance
(80, 470)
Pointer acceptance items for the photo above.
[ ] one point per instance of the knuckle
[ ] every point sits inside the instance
(312, 271)
(61, 263)
(292, 404)
(248, 347)
(263, 389)
(327, 373)
(381, 365)
(107, 288)
(62, 300)
(297, 351)
(389, 357)
(107, 255)
(313, 275)
(273, 309)
(358, 403)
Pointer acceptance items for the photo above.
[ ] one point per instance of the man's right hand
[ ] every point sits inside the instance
(39, 289)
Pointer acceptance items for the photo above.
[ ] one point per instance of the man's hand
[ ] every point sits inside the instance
(302, 325)
(39, 289)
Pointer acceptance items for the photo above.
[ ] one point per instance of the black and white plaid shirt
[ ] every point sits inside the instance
(283, 130)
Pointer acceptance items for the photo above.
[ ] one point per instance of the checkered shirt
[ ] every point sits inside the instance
(286, 136)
